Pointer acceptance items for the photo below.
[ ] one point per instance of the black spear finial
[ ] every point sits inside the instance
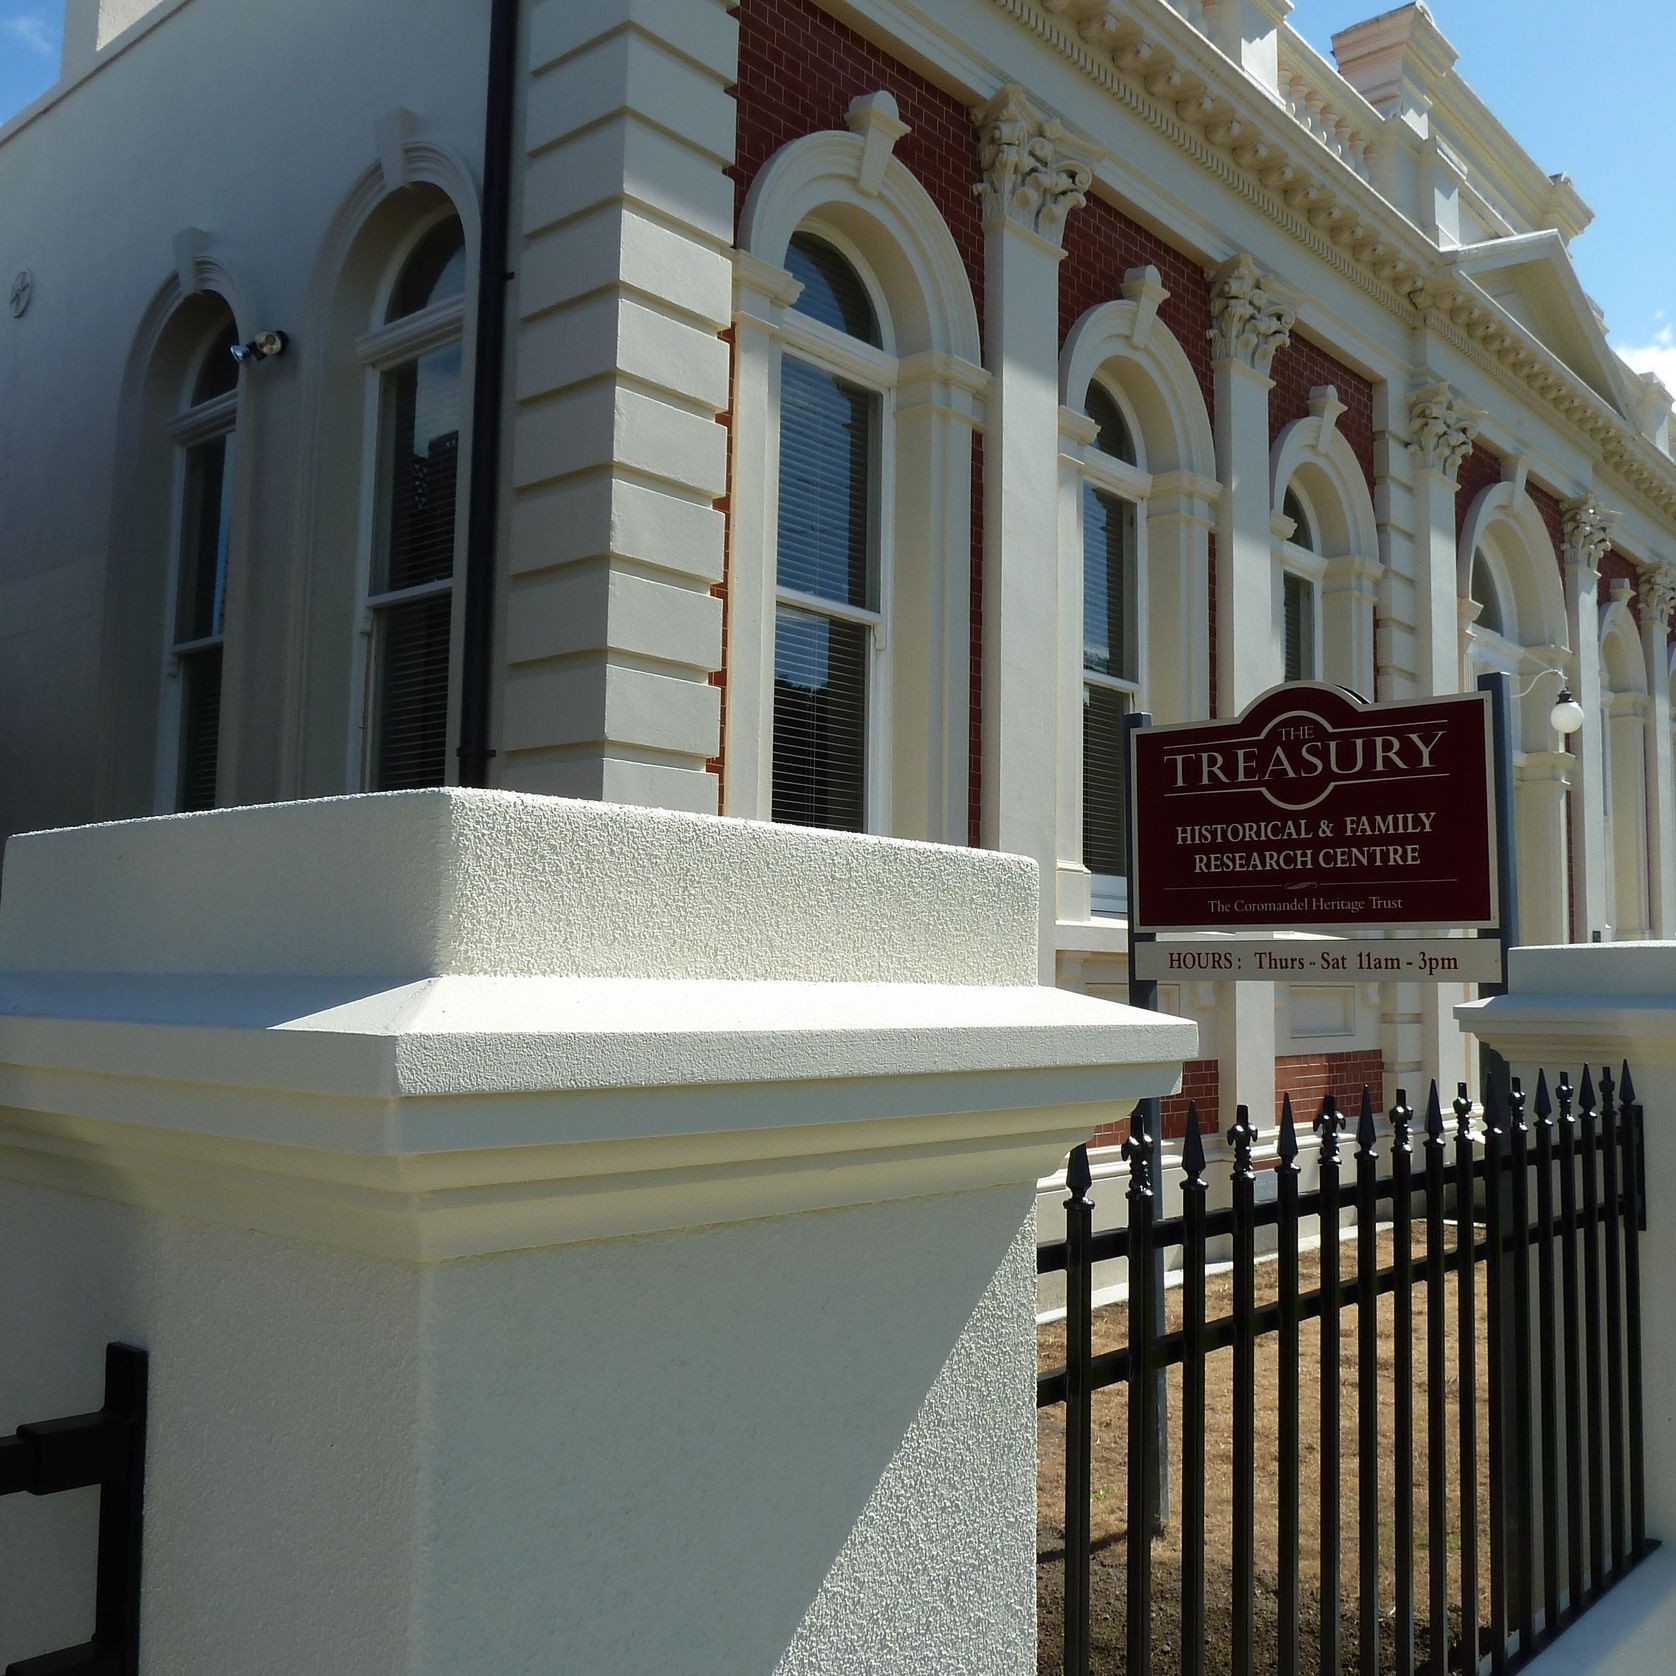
(1434, 1117)
(1626, 1086)
(1367, 1131)
(1586, 1095)
(1193, 1149)
(1078, 1177)
(1544, 1106)
(1288, 1135)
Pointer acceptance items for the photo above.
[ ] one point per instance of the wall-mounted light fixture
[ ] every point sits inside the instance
(1567, 715)
(263, 347)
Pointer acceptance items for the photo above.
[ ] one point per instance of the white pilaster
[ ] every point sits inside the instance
(1034, 175)
(1250, 321)
(1588, 535)
(616, 459)
(1658, 596)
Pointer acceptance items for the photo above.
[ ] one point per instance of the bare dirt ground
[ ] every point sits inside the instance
(1110, 1536)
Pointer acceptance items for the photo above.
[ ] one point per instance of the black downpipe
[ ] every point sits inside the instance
(483, 507)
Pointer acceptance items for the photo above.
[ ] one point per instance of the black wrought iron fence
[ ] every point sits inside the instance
(1544, 1217)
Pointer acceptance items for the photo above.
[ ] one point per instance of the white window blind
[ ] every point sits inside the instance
(1298, 611)
(1111, 674)
(411, 591)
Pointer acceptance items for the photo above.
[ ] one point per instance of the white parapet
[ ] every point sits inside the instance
(567, 1237)
(1605, 1005)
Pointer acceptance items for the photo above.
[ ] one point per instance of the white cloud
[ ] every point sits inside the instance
(30, 29)
(1659, 356)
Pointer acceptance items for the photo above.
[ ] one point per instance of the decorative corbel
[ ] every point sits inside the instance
(1325, 406)
(1251, 316)
(1516, 468)
(189, 244)
(1143, 288)
(1035, 171)
(1442, 427)
(876, 118)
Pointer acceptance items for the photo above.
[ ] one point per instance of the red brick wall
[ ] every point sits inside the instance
(1309, 1076)
(1201, 1081)
(1101, 245)
(1479, 470)
(1297, 370)
(799, 68)
(1554, 521)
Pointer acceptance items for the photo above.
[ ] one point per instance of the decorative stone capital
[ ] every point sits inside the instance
(1442, 427)
(1035, 172)
(1250, 315)
(1588, 530)
(1658, 593)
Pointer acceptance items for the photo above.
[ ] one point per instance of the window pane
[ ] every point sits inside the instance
(1485, 594)
(1109, 643)
(435, 271)
(422, 469)
(826, 490)
(410, 707)
(200, 605)
(200, 728)
(1298, 600)
(1114, 437)
(820, 721)
(1303, 532)
(1105, 799)
(832, 290)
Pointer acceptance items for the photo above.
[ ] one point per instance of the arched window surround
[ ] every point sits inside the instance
(134, 766)
(1312, 459)
(846, 189)
(379, 222)
(1121, 347)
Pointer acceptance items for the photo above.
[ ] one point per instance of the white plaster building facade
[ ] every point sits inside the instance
(894, 394)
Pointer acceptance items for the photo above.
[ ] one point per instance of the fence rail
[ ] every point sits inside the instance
(1548, 1212)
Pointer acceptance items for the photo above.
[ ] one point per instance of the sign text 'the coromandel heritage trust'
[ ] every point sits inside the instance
(1316, 811)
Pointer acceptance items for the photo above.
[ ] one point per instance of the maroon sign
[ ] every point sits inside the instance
(1316, 811)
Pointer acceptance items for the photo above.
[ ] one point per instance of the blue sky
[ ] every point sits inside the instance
(1594, 107)
(1586, 91)
(29, 38)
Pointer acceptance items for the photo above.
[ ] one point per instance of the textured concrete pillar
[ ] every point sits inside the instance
(553, 1255)
(1658, 596)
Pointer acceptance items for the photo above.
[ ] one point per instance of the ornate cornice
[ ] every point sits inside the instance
(1035, 172)
(1152, 62)
(1442, 426)
(1250, 315)
(1658, 593)
(1587, 528)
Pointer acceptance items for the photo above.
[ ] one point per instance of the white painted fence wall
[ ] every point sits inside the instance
(567, 1237)
(1600, 1005)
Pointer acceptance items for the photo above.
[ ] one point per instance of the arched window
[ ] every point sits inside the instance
(1111, 642)
(413, 356)
(205, 441)
(1302, 568)
(830, 558)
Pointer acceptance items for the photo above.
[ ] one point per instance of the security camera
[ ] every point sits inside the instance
(264, 346)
